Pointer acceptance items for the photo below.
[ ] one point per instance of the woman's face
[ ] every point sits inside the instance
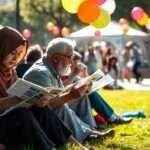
(14, 57)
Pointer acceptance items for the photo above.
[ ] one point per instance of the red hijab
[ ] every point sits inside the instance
(10, 39)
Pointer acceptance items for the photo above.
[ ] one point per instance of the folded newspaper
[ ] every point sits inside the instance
(29, 91)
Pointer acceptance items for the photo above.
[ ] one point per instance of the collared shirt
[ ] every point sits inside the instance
(43, 74)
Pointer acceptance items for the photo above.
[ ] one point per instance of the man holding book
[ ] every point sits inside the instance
(47, 72)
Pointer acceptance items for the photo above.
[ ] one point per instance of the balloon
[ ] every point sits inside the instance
(143, 20)
(137, 13)
(71, 5)
(148, 24)
(88, 11)
(100, 2)
(65, 31)
(97, 33)
(50, 26)
(27, 33)
(103, 20)
(109, 5)
(56, 31)
(123, 21)
(125, 29)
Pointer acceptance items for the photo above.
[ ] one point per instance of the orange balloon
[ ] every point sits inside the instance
(123, 21)
(143, 20)
(125, 29)
(88, 11)
(65, 31)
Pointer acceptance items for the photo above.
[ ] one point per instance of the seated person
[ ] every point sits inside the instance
(35, 52)
(38, 125)
(74, 107)
(112, 69)
(79, 70)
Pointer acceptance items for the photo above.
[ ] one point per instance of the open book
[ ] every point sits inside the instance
(26, 90)
(99, 80)
(29, 91)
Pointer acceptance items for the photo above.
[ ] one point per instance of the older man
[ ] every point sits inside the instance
(47, 72)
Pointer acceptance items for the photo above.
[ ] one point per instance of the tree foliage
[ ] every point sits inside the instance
(35, 14)
(42, 11)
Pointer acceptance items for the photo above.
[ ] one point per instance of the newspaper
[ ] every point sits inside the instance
(29, 91)
(26, 90)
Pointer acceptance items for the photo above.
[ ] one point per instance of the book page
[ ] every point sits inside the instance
(97, 75)
(25, 89)
(98, 79)
(29, 91)
(101, 82)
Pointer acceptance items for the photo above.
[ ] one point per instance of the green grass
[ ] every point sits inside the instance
(133, 136)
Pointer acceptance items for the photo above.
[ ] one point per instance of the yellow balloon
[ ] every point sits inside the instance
(50, 26)
(71, 5)
(143, 20)
(148, 24)
(103, 19)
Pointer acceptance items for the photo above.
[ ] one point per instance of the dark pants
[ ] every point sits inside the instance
(39, 127)
(136, 72)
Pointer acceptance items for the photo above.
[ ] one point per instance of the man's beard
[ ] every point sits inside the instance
(64, 71)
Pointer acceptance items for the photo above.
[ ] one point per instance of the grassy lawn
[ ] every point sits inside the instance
(133, 136)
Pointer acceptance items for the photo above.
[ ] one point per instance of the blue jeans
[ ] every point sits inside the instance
(99, 104)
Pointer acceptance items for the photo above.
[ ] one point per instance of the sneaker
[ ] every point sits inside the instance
(121, 120)
(96, 135)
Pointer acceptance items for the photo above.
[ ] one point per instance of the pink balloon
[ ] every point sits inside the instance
(100, 2)
(27, 33)
(97, 33)
(137, 13)
(56, 31)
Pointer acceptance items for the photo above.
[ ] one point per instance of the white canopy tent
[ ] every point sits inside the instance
(113, 33)
(113, 29)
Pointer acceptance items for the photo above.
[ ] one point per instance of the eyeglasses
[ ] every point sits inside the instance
(67, 56)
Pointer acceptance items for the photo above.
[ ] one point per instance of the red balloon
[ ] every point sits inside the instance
(100, 2)
(27, 33)
(137, 13)
(97, 33)
(56, 31)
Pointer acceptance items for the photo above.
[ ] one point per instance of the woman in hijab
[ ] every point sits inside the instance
(38, 125)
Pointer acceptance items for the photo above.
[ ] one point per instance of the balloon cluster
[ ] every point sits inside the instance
(27, 33)
(124, 24)
(94, 12)
(56, 31)
(141, 17)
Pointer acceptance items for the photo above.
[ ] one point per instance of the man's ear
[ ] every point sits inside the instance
(56, 58)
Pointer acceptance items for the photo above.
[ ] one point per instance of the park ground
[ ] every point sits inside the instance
(132, 136)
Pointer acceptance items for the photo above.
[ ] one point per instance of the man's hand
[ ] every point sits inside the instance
(42, 101)
(80, 89)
